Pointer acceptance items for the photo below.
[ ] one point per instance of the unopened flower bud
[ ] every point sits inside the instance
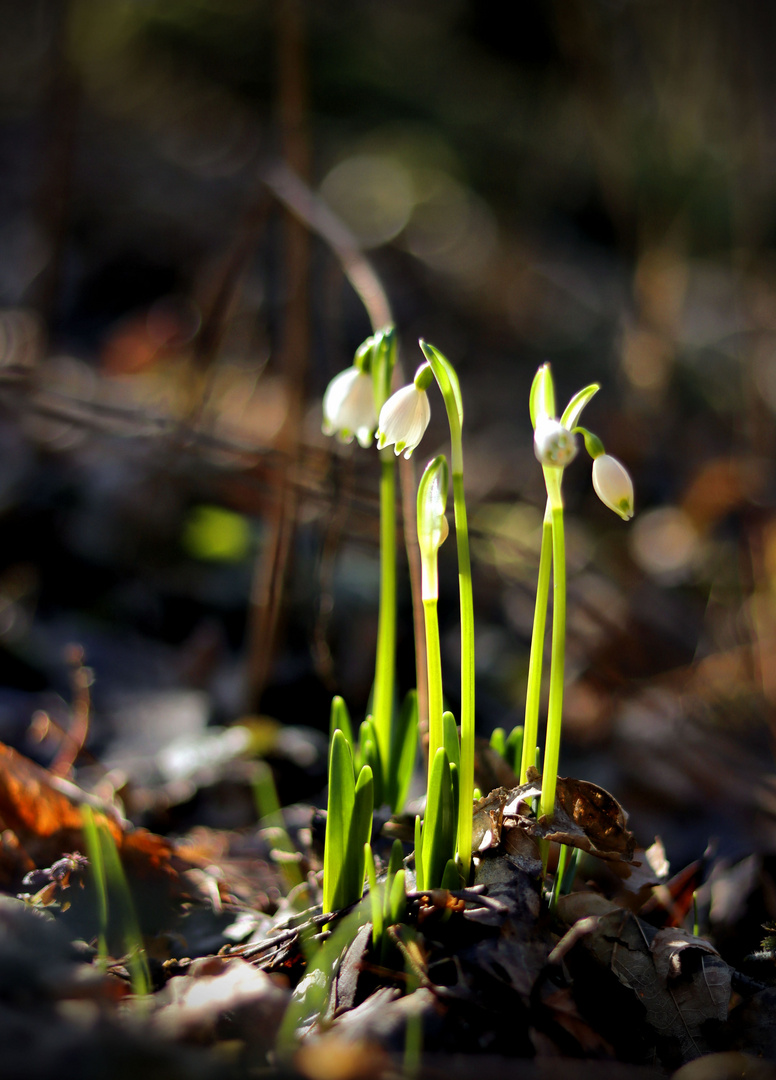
(613, 485)
(432, 522)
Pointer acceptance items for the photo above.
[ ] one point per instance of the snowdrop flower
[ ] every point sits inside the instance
(349, 407)
(554, 444)
(613, 485)
(405, 415)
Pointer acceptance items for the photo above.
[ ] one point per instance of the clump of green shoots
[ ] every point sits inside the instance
(386, 742)
(375, 765)
(348, 826)
(555, 447)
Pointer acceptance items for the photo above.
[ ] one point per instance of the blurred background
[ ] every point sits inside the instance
(189, 189)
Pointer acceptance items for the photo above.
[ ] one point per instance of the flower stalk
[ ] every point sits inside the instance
(432, 532)
(536, 656)
(555, 447)
(447, 379)
(385, 659)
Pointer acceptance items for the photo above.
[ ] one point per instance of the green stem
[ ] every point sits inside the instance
(447, 379)
(557, 662)
(467, 653)
(385, 662)
(534, 689)
(434, 666)
(560, 873)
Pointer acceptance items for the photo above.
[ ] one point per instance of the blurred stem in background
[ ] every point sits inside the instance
(270, 578)
(288, 183)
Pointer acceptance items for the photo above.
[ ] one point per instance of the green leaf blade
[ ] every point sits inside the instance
(340, 718)
(338, 819)
(439, 822)
(359, 834)
(573, 410)
(404, 750)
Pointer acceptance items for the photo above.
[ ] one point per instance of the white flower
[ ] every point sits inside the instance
(553, 443)
(613, 485)
(349, 407)
(403, 419)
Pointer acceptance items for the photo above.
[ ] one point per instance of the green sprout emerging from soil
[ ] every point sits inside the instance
(375, 767)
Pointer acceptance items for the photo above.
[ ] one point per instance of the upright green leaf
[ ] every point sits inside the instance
(420, 877)
(404, 749)
(513, 750)
(377, 900)
(369, 754)
(340, 718)
(396, 860)
(451, 878)
(450, 739)
(359, 834)
(397, 900)
(342, 795)
(439, 823)
(498, 741)
(136, 960)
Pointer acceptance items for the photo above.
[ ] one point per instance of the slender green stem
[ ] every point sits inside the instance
(385, 662)
(434, 667)
(534, 689)
(557, 663)
(447, 380)
(560, 873)
(467, 657)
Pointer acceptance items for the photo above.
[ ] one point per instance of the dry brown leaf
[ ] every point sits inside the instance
(681, 981)
(586, 816)
(41, 819)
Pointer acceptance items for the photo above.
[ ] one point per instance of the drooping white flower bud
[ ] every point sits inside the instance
(405, 416)
(349, 407)
(613, 485)
(554, 444)
(433, 528)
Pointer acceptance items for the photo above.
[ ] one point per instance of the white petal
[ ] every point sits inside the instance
(336, 392)
(357, 409)
(613, 485)
(348, 406)
(403, 419)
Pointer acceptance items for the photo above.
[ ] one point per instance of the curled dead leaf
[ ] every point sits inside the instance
(586, 816)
